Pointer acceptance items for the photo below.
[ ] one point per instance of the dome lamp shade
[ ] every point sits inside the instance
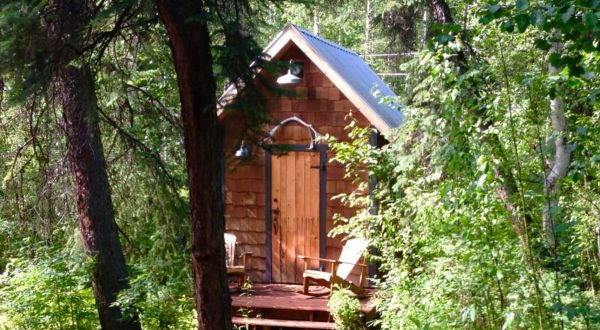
(293, 75)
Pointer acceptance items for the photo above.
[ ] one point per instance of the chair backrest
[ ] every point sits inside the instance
(230, 249)
(353, 250)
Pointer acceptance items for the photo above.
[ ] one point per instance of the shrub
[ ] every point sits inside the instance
(345, 310)
(54, 292)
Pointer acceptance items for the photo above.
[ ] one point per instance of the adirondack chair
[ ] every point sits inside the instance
(233, 270)
(340, 269)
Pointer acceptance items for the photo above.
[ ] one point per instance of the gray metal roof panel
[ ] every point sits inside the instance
(359, 76)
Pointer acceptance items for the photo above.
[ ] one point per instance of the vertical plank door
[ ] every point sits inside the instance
(295, 218)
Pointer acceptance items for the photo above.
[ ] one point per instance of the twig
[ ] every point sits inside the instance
(139, 144)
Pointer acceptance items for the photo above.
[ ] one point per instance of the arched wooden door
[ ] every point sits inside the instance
(296, 206)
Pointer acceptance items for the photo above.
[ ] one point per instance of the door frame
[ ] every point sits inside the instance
(322, 149)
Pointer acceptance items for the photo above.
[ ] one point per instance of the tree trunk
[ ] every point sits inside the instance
(203, 138)
(441, 12)
(98, 228)
(560, 163)
(94, 204)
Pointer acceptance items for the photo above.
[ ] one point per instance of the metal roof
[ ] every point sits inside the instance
(347, 71)
(359, 76)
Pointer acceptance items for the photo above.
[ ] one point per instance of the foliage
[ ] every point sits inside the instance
(54, 292)
(449, 254)
(162, 294)
(141, 134)
(345, 310)
(445, 239)
(246, 291)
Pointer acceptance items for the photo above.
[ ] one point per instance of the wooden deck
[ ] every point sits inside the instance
(282, 302)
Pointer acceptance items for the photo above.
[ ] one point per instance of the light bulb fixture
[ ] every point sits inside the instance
(243, 153)
(294, 74)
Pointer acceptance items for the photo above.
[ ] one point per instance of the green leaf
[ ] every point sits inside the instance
(590, 19)
(522, 22)
(564, 226)
(444, 38)
(568, 14)
(537, 18)
(493, 8)
(508, 26)
(542, 44)
(454, 28)
(557, 307)
(556, 60)
(522, 4)
(576, 70)
(485, 19)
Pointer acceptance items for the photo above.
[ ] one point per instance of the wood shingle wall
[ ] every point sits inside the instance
(321, 105)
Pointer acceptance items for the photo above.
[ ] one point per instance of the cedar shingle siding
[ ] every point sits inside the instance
(323, 106)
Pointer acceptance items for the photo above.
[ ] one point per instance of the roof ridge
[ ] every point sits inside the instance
(328, 42)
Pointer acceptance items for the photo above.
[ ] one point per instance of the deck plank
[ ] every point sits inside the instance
(287, 297)
(283, 323)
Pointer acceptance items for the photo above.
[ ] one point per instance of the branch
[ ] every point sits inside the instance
(128, 239)
(139, 144)
(105, 38)
(17, 155)
(175, 122)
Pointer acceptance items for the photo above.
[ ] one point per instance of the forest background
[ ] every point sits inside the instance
(487, 203)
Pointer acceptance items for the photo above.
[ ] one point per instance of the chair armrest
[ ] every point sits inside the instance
(349, 263)
(334, 263)
(245, 258)
(317, 258)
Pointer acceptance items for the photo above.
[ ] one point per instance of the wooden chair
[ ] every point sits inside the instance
(340, 269)
(233, 270)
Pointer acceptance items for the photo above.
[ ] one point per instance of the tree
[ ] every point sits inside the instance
(192, 47)
(203, 140)
(64, 64)
(75, 85)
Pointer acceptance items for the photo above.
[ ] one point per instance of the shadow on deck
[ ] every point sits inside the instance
(281, 306)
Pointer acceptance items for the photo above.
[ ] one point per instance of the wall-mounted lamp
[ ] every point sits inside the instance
(243, 153)
(294, 74)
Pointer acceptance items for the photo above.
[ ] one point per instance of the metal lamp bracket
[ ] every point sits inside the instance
(313, 133)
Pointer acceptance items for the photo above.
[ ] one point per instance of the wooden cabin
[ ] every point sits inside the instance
(279, 204)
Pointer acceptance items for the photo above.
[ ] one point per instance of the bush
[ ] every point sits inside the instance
(345, 310)
(54, 292)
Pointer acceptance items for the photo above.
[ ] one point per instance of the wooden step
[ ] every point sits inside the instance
(282, 323)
